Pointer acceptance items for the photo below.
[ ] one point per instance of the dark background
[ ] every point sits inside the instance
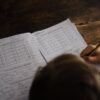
(19, 16)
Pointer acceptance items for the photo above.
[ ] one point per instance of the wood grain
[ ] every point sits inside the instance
(19, 16)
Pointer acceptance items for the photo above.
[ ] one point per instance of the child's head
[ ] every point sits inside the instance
(65, 78)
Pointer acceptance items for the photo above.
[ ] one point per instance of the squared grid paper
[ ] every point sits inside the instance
(16, 91)
(54, 42)
(21, 59)
(15, 83)
(1, 62)
(50, 43)
(62, 38)
(15, 53)
(18, 74)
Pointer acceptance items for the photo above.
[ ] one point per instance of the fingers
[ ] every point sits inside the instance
(87, 50)
(94, 58)
(91, 59)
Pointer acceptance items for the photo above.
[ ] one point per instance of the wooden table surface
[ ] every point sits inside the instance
(19, 16)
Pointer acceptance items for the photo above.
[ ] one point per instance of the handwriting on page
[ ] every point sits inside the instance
(19, 60)
(59, 39)
(14, 53)
(16, 83)
(53, 43)
(17, 69)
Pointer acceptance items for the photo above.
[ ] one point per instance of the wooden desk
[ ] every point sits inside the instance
(31, 15)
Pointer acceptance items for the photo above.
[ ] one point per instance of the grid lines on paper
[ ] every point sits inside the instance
(1, 62)
(55, 41)
(15, 53)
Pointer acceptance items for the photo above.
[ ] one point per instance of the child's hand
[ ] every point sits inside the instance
(94, 58)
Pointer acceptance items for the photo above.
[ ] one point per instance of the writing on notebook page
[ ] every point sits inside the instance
(60, 39)
(15, 53)
(19, 59)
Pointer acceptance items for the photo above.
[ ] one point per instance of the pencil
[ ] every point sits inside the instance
(93, 51)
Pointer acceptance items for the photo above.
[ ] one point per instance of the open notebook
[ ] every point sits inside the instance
(21, 55)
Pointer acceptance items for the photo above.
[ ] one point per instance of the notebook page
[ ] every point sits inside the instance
(53, 44)
(75, 30)
(19, 60)
(75, 37)
(59, 39)
(83, 44)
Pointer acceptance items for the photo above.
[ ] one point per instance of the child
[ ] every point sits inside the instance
(67, 77)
